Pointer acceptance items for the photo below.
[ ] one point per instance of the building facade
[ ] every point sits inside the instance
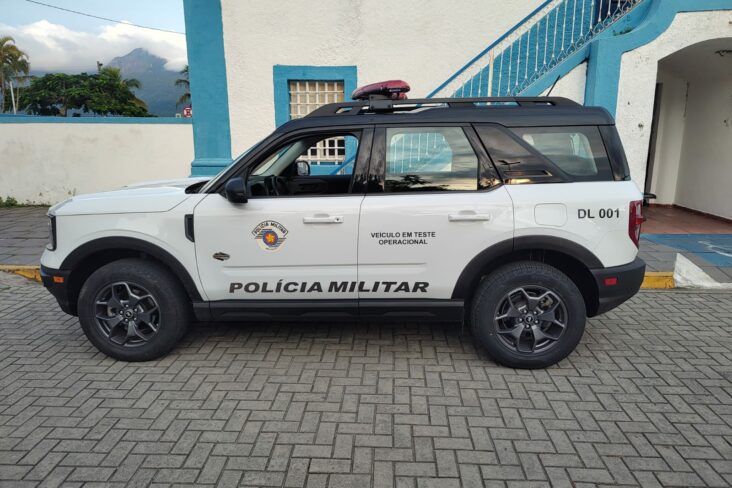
(662, 67)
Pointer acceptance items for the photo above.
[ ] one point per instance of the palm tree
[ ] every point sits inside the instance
(184, 99)
(14, 64)
(114, 77)
(134, 83)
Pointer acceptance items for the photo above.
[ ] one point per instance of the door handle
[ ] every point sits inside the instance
(323, 219)
(469, 216)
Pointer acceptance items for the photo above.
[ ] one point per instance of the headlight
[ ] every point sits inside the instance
(51, 246)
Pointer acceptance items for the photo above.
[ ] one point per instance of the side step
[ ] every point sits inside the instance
(258, 310)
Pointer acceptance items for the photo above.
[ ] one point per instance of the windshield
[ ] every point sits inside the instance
(215, 177)
(272, 165)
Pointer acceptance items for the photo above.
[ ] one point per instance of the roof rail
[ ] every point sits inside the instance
(378, 104)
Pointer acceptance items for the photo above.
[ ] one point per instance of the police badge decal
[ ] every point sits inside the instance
(270, 235)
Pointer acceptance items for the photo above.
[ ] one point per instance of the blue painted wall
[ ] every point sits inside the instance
(533, 57)
(283, 74)
(603, 53)
(208, 67)
(552, 37)
(626, 24)
(209, 92)
(603, 69)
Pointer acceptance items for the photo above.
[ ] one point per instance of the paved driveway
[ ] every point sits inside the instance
(645, 400)
(23, 235)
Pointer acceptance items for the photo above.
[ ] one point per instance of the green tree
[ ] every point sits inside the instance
(56, 94)
(103, 93)
(184, 82)
(113, 95)
(14, 68)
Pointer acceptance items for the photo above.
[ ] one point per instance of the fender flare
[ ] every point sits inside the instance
(82, 252)
(474, 269)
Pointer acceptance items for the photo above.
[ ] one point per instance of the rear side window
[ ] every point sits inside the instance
(577, 151)
(547, 154)
(429, 159)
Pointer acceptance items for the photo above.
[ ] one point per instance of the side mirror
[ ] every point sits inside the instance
(236, 190)
(303, 168)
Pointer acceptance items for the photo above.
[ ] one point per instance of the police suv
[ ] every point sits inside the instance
(514, 215)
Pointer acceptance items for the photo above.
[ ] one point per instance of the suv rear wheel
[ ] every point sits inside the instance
(528, 315)
(133, 310)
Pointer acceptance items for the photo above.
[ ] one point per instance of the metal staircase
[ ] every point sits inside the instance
(534, 47)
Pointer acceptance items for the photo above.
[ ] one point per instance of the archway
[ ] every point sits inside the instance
(690, 148)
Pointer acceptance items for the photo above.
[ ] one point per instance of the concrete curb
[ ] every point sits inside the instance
(658, 280)
(30, 272)
(689, 275)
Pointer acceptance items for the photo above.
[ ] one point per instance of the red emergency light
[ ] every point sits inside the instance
(391, 90)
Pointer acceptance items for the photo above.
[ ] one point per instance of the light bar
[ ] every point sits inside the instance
(391, 90)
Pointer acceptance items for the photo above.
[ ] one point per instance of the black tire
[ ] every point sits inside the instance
(159, 319)
(497, 316)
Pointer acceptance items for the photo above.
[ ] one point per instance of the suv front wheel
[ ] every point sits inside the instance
(133, 310)
(528, 315)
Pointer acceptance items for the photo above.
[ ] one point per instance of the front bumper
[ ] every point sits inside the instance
(59, 289)
(629, 278)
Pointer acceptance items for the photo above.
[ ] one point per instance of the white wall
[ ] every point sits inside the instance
(671, 124)
(572, 85)
(638, 74)
(45, 163)
(421, 41)
(705, 172)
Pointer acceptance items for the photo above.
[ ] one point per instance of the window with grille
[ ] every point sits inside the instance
(306, 96)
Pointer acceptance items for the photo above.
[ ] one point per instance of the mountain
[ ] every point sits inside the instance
(158, 84)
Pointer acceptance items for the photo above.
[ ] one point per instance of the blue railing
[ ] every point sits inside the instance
(532, 48)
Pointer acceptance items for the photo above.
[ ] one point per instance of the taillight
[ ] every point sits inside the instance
(635, 219)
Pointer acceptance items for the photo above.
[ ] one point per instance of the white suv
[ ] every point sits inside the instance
(515, 215)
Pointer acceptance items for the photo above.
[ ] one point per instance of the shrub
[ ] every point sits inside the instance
(9, 202)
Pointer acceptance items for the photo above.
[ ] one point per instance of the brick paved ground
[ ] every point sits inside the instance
(645, 400)
(23, 234)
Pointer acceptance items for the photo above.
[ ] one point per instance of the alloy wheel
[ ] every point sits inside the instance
(127, 314)
(530, 319)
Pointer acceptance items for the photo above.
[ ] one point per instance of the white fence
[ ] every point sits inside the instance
(46, 160)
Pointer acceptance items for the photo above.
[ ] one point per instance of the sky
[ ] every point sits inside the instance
(63, 41)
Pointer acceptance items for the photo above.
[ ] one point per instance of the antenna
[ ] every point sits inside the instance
(553, 85)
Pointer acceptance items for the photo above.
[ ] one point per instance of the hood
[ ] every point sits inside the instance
(159, 196)
(176, 183)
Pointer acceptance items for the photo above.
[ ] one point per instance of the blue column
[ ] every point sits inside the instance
(209, 92)
(282, 74)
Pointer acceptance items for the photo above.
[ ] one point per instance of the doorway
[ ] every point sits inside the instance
(689, 164)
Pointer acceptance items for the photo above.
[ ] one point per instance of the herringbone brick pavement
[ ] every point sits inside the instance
(646, 400)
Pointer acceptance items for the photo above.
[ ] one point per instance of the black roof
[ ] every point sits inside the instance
(507, 111)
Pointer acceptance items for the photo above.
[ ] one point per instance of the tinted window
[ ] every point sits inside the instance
(320, 164)
(516, 162)
(429, 159)
(324, 155)
(615, 151)
(578, 151)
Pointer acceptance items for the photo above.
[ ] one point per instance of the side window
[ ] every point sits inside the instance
(429, 159)
(308, 95)
(334, 155)
(578, 151)
(515, 162)
(314, 165)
